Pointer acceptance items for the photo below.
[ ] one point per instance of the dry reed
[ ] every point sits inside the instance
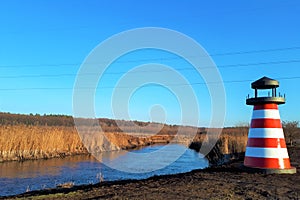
(22, 142)
(19, 142)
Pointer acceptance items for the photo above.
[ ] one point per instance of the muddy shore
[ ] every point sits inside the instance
(217, 182)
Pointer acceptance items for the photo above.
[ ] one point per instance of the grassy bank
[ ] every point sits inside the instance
(21, 142)
(24, 137)
(231, 144)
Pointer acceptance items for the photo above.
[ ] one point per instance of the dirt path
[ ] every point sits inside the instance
(223, 182)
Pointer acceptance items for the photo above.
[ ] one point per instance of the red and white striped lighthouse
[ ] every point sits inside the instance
(266, 148)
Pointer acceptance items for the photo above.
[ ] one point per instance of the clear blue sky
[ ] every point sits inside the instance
(43, 43)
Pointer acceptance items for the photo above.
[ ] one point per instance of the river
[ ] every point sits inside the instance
(17, 177)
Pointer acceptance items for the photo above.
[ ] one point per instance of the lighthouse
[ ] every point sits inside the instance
(266, 150)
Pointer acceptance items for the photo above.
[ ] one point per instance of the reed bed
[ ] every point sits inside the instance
(20, 142)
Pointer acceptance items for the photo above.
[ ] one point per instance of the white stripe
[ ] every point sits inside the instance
(266, 152)
(265, 133)
(266, 113)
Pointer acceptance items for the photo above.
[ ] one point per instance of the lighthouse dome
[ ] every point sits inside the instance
(265, 83)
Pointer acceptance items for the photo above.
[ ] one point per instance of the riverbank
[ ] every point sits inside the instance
(22, 142)
(30, 142)
(218, 182)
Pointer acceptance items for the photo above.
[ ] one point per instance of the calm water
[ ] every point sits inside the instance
(16, 177)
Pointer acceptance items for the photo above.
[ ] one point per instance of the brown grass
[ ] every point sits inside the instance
(21, 142)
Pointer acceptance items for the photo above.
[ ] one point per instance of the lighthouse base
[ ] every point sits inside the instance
(291, 170)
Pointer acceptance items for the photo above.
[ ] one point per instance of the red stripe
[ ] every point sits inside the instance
(266, 106)
(266, 142)
(266, 123)
(271, 163)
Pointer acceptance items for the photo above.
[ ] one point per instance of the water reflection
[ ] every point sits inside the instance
(148, 159)
(109, 156)
(16, 177)
(30, 169)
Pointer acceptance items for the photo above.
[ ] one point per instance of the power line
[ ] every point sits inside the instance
(260, 63)
(256, 51)
(155, 71)
(128, 87)
(157, 59)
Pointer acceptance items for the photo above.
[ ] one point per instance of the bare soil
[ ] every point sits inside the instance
(221, 182)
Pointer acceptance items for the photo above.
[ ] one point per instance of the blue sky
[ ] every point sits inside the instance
(43, 43)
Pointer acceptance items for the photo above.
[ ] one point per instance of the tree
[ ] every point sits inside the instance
(291, 130)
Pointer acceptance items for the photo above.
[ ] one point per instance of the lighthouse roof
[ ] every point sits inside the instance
(265, 83)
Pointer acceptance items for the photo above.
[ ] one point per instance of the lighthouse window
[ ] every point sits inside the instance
(264, 93)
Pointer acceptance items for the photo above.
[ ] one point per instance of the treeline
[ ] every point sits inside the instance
(36, 120)
(107, 125)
